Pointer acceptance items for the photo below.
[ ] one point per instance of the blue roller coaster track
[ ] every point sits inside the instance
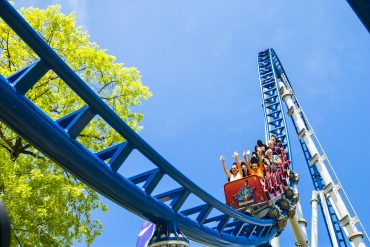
(362, 10)
(57, 140)
(271, 72)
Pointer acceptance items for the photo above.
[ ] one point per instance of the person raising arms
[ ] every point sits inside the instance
(256, 167)
(236, 170)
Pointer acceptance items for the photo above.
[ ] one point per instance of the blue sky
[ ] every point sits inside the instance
(199, 58)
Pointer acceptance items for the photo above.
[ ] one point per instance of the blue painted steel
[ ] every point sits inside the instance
(275, 123)
(168, 235)
(57, 140)
(153, 181)
(4, 226)
(120, 156)
(79, 122)
(24, 81)
(26, 119)
(109, 152)
(268, 59)
(362, 10)
(203, 214)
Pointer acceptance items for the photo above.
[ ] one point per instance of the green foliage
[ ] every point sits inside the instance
(48, 206)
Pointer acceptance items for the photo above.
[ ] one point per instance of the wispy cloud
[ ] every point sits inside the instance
(78, 6)
(81, 12)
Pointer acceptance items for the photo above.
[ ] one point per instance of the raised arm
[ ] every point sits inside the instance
(247, 157)
(222, 158)
(238, 162)
(261, 161)
(261, 166)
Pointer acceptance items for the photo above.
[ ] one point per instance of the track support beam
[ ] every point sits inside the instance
(331, 191)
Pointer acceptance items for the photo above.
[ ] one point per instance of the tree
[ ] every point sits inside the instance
(48, 206)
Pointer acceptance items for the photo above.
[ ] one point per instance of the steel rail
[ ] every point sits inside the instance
(36, 127)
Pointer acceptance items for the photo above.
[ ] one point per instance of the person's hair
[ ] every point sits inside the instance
(254, 160)
(259, 143)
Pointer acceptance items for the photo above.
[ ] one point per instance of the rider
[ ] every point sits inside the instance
(256, 167)
(236, 169)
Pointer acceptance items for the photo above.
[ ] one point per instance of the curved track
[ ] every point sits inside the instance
(57, 139)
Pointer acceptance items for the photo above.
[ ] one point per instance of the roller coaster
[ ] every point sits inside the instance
(230, 227)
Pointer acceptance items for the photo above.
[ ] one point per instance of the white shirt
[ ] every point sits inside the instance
(235, 177)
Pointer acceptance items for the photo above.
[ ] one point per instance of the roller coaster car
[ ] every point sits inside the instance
(248, 196)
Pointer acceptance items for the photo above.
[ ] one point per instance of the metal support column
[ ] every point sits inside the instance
(298, 233)
(168, 235)
(275, 242)
(314, 233)
(328, 219)
(330, 190)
